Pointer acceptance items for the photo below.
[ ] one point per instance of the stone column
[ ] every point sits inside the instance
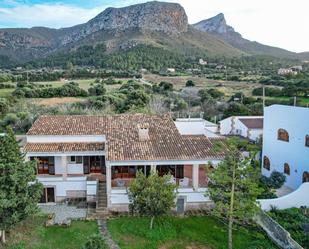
(64, 166)
(195, 172)
(153, 167)
(108, 183)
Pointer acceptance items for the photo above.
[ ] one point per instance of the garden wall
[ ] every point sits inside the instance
(296, 199)
(276, 232)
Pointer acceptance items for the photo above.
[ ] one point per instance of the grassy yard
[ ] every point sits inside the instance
(300, 100)
(176, 233)
(32, 234)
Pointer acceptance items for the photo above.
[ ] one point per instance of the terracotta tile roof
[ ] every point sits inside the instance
(63, 147)
(122, 136)
(252, 123)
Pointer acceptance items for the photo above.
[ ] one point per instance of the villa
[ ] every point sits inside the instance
(286, 143)
(96, 157)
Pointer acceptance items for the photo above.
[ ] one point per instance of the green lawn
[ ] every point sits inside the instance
(176, 233)
(32, 234)
(301, 100)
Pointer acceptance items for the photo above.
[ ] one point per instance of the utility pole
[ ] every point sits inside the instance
(294, 100)
(263, 97)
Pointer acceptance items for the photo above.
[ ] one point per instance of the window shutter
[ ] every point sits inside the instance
(51, 169)
(86, 164)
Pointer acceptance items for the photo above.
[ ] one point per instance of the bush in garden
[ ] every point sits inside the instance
(95, 241)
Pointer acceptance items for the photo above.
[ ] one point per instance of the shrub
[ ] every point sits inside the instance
(276, 180)
(95, 241)
(190, 83)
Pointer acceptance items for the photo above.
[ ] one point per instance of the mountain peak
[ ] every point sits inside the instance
(166, 17)
(216, 24)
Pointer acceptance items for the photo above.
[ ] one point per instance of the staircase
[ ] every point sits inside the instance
(101, 209)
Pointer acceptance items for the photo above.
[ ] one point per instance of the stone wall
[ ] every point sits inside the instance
(276, 232)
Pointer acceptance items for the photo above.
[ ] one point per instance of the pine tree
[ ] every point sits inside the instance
(19, 189)
(234, 187)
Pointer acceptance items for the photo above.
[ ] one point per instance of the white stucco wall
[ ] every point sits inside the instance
(65, 139)
(296, 121)
(298, 198)
(255, 134)
(226, 126)
(196, 126)
(120, 196)
(61, 185)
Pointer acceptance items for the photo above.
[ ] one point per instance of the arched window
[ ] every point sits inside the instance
(283, 135)
(305, 176)
(286, 169)
(307, 141)
(266, 163)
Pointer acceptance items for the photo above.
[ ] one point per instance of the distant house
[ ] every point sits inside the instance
(250, 127)
(202, 62)
(96, 157)
(171, 70)
(297, 68)
(292, 70)
(286, 143)
(220, 67)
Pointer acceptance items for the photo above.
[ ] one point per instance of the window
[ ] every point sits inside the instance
(72, 159)
(307, 141)
(305, 176)
(283, 135)
(266, 163)
(286, 169)
(45, 165)
(79, 159)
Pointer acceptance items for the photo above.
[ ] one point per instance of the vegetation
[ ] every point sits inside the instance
(33, 234)
(18, 198)
(95, 241)
(295, 221)
(151, 196)
(234, 188)
(187, 232)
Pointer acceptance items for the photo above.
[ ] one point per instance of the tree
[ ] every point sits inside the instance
(234, 187)
(190, 83)
(152, 196)
(18, 198)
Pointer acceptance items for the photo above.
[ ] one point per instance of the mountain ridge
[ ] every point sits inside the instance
(218, 27)
(160, 24)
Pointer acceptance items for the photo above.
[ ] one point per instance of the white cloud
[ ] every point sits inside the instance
(272, 22)
(56, 15)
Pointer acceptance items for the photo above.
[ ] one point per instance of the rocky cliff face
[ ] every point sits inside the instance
(169, 18)
(217, 25)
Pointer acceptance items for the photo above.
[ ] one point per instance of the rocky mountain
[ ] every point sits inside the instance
(156, 23)
(218, 27)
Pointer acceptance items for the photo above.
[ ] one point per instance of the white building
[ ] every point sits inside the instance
(96, 157)
(196, 126)
(286, 71)
(202, 62)
(250, 127)
(286, 143)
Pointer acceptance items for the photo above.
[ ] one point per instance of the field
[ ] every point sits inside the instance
(32, 234)
(228, 87)
(182, 233)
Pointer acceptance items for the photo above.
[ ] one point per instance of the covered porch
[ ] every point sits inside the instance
(183, 175)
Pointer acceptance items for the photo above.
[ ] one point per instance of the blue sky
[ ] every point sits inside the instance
(272, 22)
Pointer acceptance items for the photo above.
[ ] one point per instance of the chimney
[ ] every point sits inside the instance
(143, 131)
